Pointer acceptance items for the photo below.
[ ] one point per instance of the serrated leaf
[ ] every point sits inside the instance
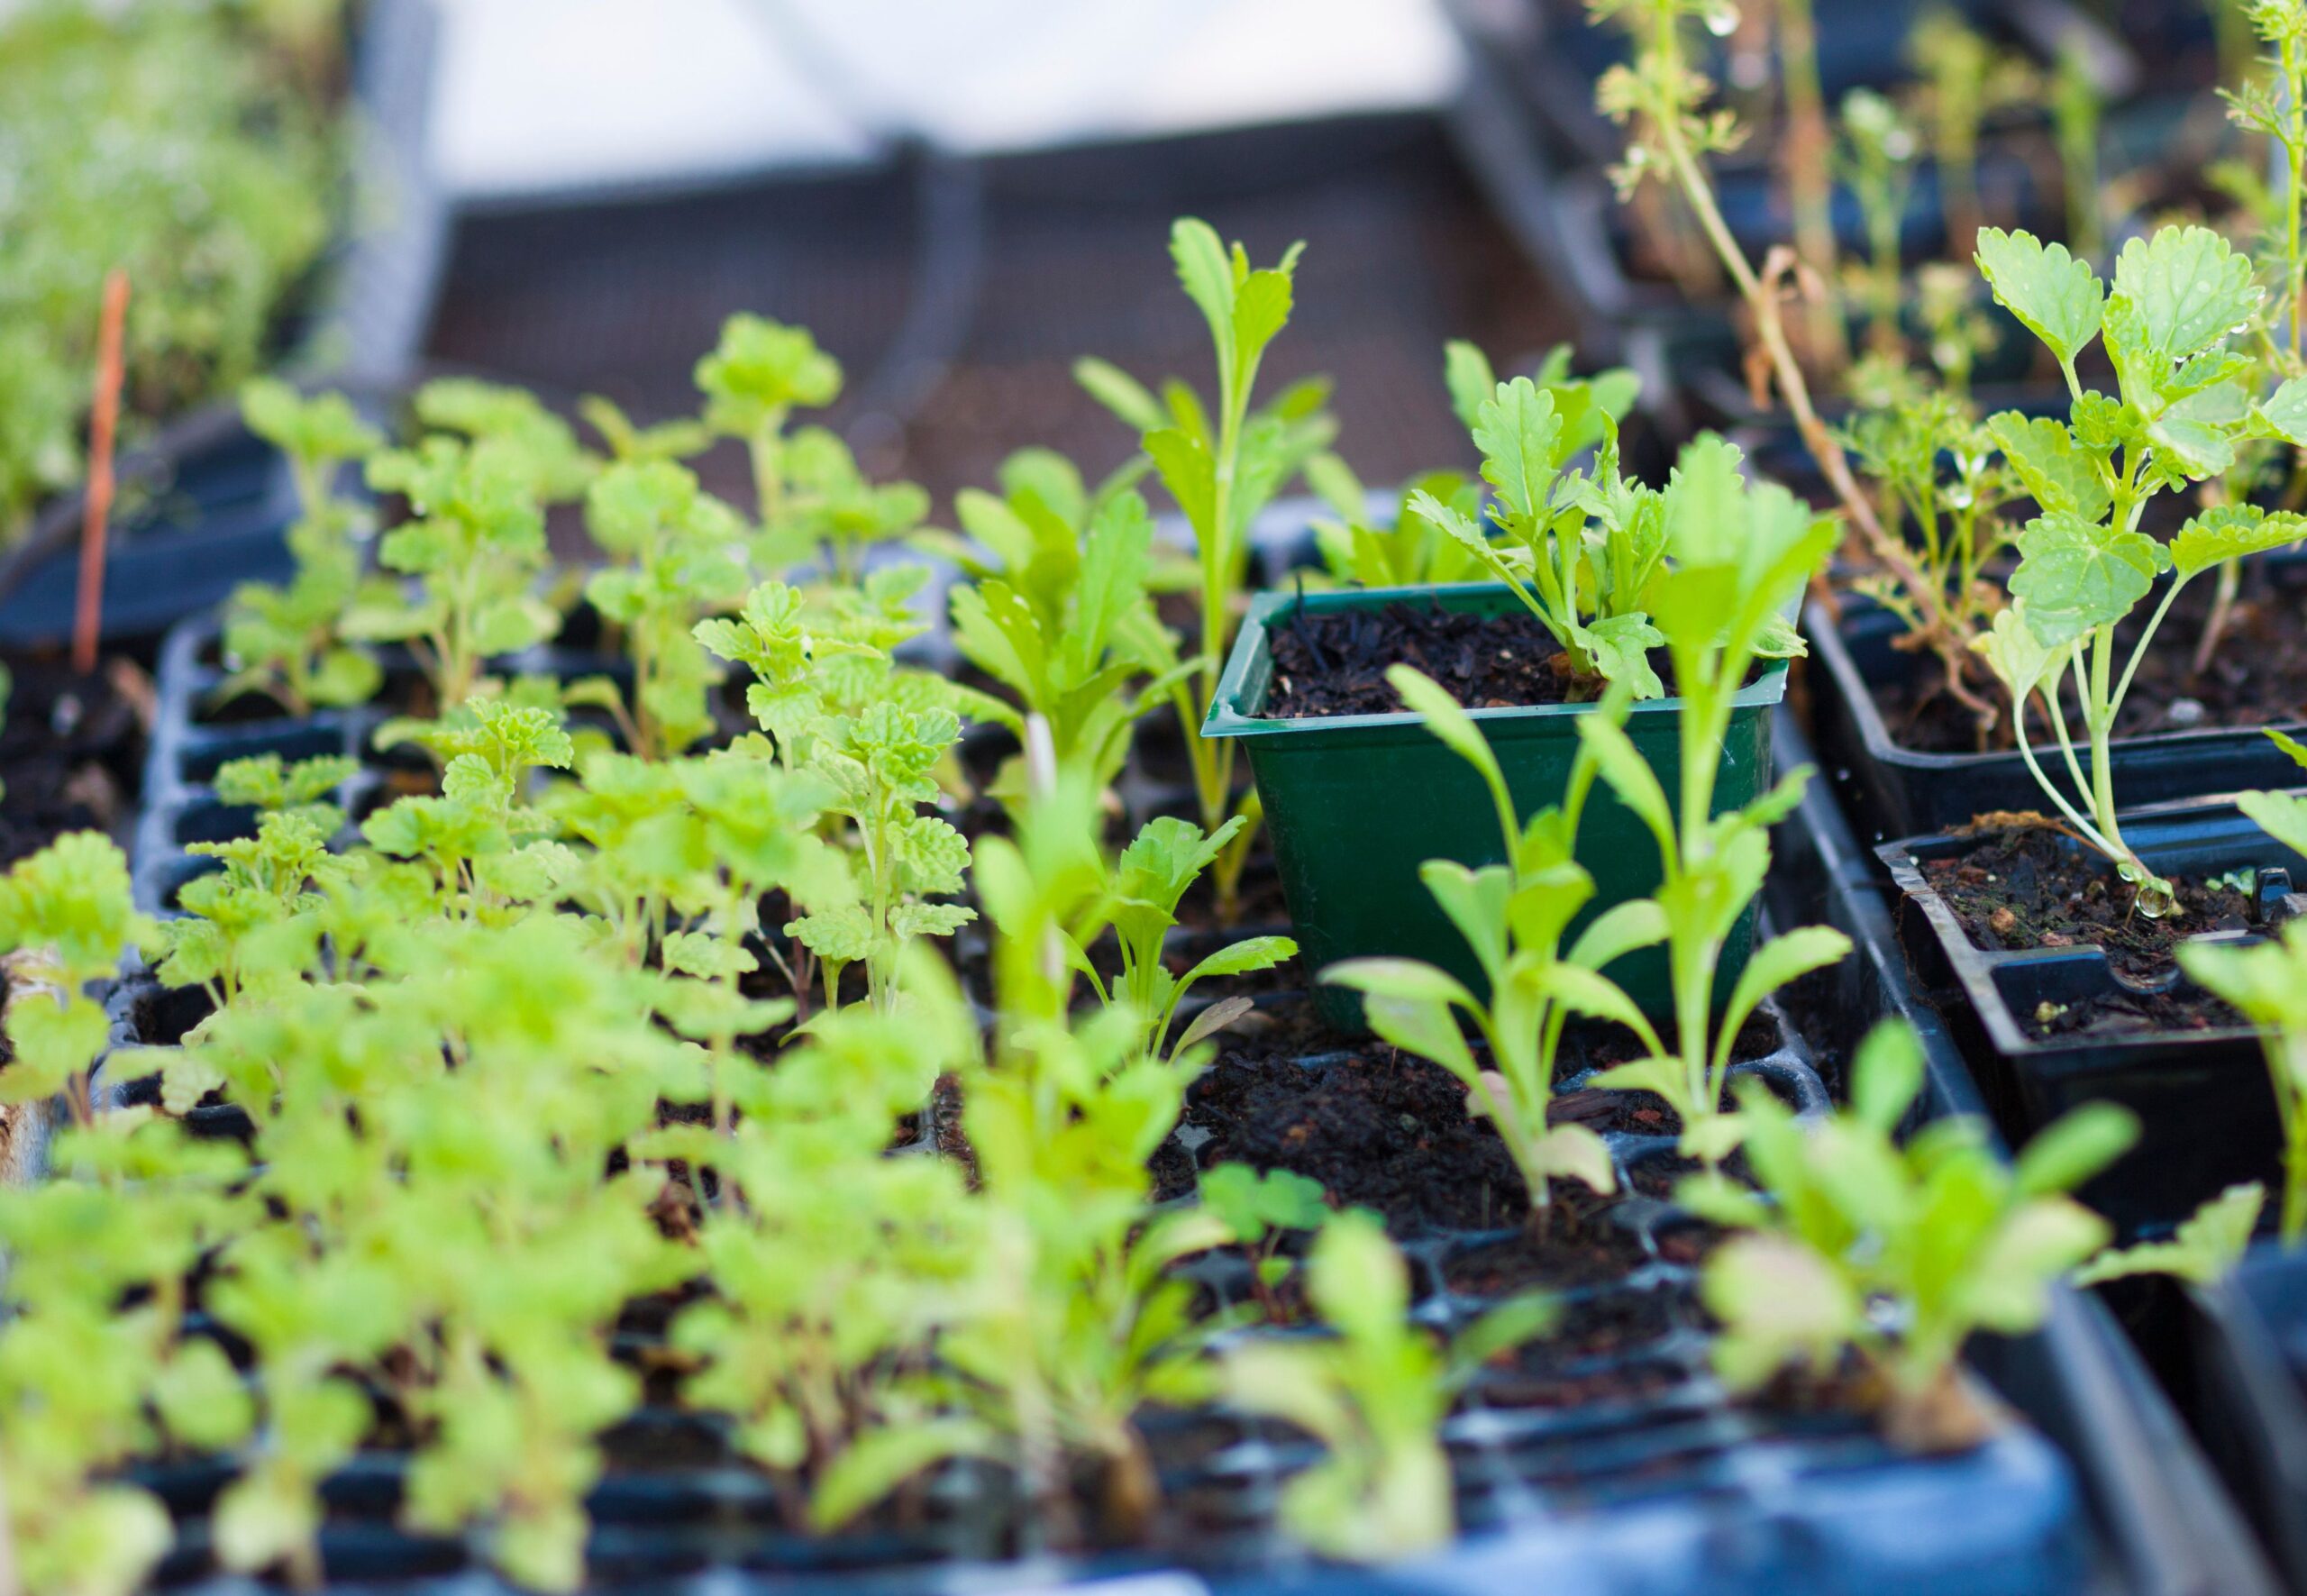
(2075, 576)
(2190, 287)
(2060, 475)
(2230, 532)
(2056, 297)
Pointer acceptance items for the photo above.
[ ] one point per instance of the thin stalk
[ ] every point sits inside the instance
(1816, 437)
(2287, 1057)
(1809, 181)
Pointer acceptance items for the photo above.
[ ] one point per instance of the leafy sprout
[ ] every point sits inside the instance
(2183, 406)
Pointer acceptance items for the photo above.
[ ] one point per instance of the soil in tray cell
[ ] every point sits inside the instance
(2036, 888)
(2257, 677)
(1336, 664)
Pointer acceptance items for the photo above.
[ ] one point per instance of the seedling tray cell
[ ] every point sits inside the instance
(2205, 1105)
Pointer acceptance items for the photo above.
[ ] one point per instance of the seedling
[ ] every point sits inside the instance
(1741, 554)
(1262, 1209)
(288, 641)
(1515, 916)
(1579, 552)
(1163, 860)
(680, 554)
(1877, 157)
(1373, 1394)
(268, 784)
(65, 911)
(1943, 1232)
(1058, 610)
(1221, 471)
(2203, 1251)
(2177, 301)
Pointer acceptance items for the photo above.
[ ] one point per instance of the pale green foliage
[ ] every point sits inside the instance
(1162, 862)
(678, 554)
(288, 641)
(1222, 468)
(2186, 403)
(2267, 985)
(267, 783)
(156, 139)
(1738, 554)
(1373, 1394)
(836, 709)
(1580, 550)
(1516, 917)
(1954, 1239)
(2201, 1251)
(67, 906)
(1059, 611)
(474, 552)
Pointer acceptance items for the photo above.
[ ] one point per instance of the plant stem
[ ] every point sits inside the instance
(1809, 182)
(1760, 294)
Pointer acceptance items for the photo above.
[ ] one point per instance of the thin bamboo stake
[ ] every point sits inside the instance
(103, 426)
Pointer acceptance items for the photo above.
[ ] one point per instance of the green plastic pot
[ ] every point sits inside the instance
(1356, 803)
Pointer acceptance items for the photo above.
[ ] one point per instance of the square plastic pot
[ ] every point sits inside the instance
(2205, 1106)
(1895, 791)
(1356, 803)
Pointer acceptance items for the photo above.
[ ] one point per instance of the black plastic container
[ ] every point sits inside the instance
(2169, 1523)
(2248, 1333)
(1894, 792)
(214, 502)
(2205, 1105)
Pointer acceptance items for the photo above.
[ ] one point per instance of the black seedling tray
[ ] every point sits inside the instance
(2156, 1501)
(2205, 1105)
(213, 502)
(1894, 792)
(2249, 1334)
(1669, 1485)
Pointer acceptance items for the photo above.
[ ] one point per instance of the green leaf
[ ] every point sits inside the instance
(1620, 646)
(1516, 432)
(2203, 1250)
(2230, 532)
(876, 1461)
(2061, 476)
(2284, 411)
(2190, 289)
(2075, 576)
(1787, 956)
(1886, 1076)
(2074, 1147)
(1450, 724)
(2056, 297)
(1122, 394)
(2283, 815)
(2019, 659)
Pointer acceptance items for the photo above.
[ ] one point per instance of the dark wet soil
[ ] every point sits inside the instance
(1336, 664)
(2036, 888)
(2257, 678)
(1383, 1131)
(2040, 888)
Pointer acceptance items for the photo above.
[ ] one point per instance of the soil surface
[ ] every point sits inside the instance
(1336, 664)
(2040, 888)
(2257, 678)
(2036, 888)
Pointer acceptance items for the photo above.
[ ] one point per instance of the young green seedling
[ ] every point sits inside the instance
(1374, 1393)
(67, 918)
(1221, 470)
(1059, 611)
(1163, 860)
(1515, 916)
(2178, 300)
(1578, 550)
(1946, 1233)
(1877, 159)
(1740, 555)
(679, 554)
(270, 785)
(1262, 1209)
